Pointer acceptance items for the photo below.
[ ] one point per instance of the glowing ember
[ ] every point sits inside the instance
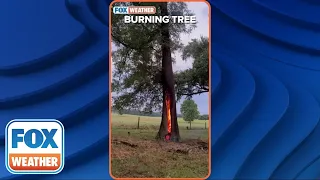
(167, 137)
(168, 113)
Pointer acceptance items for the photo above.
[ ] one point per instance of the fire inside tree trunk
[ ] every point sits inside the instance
(169, 129)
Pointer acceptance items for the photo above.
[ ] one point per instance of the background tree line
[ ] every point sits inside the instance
(154, 114)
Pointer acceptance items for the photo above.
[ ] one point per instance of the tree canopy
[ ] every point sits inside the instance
(189, 110)
(136, 80)
(194, 80)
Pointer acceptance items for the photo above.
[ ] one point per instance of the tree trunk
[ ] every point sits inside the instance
(169, 128)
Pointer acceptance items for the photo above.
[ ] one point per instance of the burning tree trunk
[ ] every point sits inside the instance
(169, 129)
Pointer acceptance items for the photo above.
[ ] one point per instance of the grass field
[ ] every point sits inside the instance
(136, 153)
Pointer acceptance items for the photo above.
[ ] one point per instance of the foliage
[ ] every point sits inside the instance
(136, 79)
(195, 80)
(189, 110)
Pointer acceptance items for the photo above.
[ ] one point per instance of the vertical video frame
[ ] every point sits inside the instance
(160, 89)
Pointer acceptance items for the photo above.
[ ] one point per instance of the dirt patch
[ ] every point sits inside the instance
(125, 143)
(135, 158)
(146, 150)
(184, 147)
(136, 154)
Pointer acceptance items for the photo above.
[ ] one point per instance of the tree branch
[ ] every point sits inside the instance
(123, 43)
(193, 93)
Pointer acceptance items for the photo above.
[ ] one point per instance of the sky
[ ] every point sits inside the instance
(201, 11)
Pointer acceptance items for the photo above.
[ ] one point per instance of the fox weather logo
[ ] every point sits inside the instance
(120, 10)
(34, 146)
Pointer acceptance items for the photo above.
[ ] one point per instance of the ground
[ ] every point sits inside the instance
(135, 152)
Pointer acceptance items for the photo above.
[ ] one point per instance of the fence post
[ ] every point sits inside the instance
(138, 122)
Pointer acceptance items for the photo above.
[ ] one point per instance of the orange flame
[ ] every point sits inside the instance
(168, 113)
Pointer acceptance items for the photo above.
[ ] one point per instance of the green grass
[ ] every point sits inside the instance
(157, 159)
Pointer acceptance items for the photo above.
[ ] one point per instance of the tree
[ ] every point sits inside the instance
(169, 124)
(195, 80)
(142, 64)
(137, 62)
(189, 110)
